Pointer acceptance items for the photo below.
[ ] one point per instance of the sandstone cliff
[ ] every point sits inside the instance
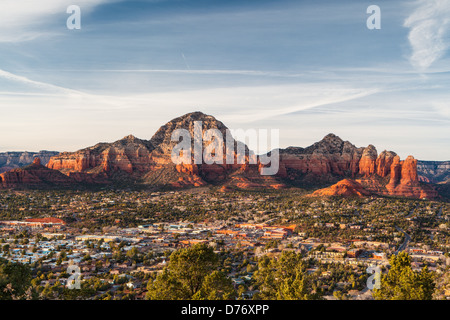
(34, 175)
(149, 162)
(135, 161)
(12, 160)
(333, 159)
(325, 161)
(129, 154)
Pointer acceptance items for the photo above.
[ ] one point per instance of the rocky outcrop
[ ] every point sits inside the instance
(13, 160)
(344, 188)
(404, 180)
(325, 161)
(367, 163)
(34, 175)
(332, 160)
(135, 161)
(384, 163)
(409, 171)
(129, 154)
(150, 162)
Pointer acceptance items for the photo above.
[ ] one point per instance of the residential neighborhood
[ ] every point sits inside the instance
(121, 241)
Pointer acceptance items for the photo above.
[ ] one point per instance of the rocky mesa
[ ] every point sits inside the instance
(332, 159)
(35, 175)
(131, 161)
(149, 161)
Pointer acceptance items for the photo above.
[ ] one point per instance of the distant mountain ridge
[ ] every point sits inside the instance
(16, 159)
(434, 171)
(134, 161)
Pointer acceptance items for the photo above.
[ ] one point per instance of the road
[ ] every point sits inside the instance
(411, 212)
(405, 242)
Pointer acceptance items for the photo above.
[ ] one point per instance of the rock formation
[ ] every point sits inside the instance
(367, 163)
(332, 160)
(384, 163)
(324, 161)
(135, 161)
(150, 162)
(13, 160)
(34, 175)
(129, 154)
(345, 188)
(404, 180)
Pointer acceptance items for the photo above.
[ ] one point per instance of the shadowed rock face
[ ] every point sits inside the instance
(133, 160)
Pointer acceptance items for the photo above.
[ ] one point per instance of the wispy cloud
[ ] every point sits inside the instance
(259, 101)
(300, 98)
(242, 72)
(27, 88)
(429, 24)
(40, 85)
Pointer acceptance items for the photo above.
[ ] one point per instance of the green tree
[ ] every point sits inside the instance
(6, 248)
(241, 290)
(284, 278)
(403, 283)
(15, 279)
(166, 287)
(339, 295)
(132, 253)
(191, 274)
(216, 286)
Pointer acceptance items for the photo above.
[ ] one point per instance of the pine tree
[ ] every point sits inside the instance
(192, 273)
(284, 278)
(403, 283)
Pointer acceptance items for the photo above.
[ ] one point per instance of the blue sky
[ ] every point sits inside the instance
(307, 68)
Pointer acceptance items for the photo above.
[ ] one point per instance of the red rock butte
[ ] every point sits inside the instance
(344, 188)
(148, 162)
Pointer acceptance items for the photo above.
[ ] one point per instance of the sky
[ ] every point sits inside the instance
(307, 68)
